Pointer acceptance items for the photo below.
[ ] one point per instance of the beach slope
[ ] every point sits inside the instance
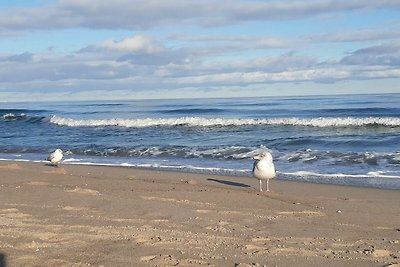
(113, 216)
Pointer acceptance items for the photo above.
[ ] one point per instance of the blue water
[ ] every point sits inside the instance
(346, 139)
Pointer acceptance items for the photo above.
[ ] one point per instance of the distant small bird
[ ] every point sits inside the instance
(263, 168)
(55, 157)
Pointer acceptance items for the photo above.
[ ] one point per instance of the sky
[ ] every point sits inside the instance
(149, 49)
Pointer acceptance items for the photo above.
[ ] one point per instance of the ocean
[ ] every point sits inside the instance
(338, 139)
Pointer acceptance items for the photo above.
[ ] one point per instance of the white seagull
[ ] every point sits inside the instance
(263, 168)
(55, 157)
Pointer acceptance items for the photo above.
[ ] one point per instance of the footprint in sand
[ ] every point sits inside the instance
(274, 249)
(160, 260)
(378, 253)
(38, 183)
(203, 211)
(160, 221)
(178, 201)
(148, 258)
(69, 208)
(218, 228)
(84, 191)
(169, 260)
(302, 213)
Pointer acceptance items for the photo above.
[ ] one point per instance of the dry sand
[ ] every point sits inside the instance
(113, 216)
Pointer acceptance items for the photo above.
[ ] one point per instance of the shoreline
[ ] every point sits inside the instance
(84, 215)
(359, 180)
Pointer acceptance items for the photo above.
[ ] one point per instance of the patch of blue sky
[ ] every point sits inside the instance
(23, 3)
(365, 19)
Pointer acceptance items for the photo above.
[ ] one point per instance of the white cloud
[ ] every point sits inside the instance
(134, 44)
(142, 14)
(384, 54)
(248, 78)
(139, 63)
(245, 40)
(357, 35)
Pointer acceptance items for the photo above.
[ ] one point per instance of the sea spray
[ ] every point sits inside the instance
(223, 122)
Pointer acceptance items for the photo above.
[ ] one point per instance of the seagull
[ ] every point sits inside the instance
(263, 168)
(55, 157)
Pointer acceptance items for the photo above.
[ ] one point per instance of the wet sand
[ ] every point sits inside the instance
(113, 216)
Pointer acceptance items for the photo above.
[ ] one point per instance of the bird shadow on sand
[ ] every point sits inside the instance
(51, 165)
(229, 183)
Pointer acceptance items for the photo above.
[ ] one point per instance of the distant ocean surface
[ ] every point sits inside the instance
(344, 139)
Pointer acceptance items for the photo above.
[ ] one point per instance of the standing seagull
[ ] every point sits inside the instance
(263, 168)
(55, 157)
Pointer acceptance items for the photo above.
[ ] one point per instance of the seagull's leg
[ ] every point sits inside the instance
(260, 185)
(267, 185)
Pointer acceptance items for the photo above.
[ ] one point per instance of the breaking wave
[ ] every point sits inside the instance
(9, 117)
(232, 153)
(226, 122)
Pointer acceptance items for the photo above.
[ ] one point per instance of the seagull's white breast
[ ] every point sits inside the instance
(56, 156)
(263, 169)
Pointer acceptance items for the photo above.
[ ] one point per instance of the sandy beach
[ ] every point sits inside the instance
(75, 215)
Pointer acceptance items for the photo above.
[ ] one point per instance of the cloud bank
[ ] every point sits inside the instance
(194, 46)
(143, 14)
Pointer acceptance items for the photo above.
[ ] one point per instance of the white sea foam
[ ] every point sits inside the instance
(188, 168)
(22, 160)
(211, 122)
(12, 116)
(378, 174)
(72, 160)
